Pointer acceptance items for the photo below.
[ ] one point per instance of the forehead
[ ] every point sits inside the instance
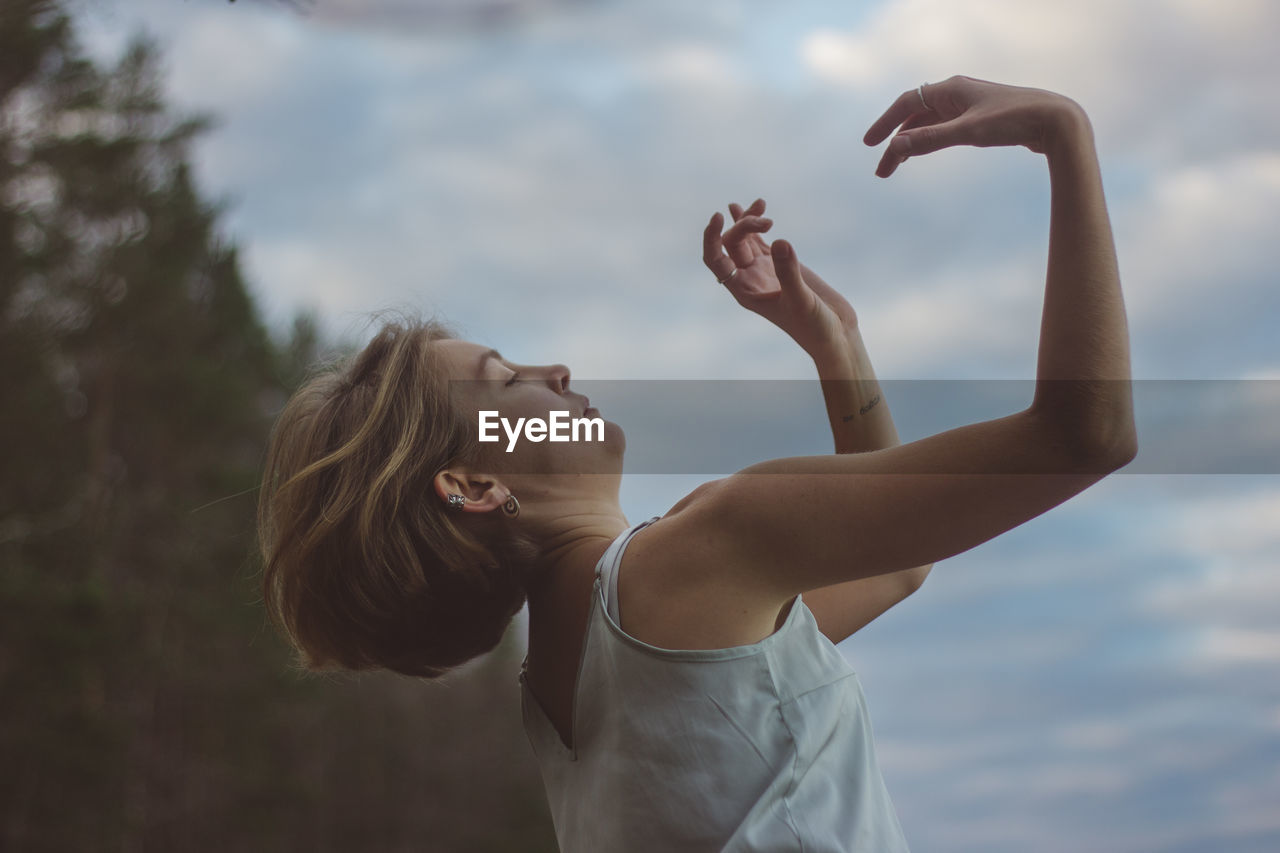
(462, 356)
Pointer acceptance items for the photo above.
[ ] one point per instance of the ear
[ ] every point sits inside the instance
(483, 493)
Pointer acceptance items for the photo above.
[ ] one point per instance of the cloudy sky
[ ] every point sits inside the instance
(1106, 677)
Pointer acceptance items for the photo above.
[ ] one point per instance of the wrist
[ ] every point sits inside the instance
(1066, 129)
(834, 358)
(845, 359)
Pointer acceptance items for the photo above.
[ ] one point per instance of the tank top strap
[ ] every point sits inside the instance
(607, 568)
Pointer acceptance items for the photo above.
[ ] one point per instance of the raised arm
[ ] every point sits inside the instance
(789, 525)
(1083, 376)
(823, 322)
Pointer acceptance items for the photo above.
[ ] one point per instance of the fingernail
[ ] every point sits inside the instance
(781, 250)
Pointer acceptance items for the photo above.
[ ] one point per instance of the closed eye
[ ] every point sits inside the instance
(515, 377)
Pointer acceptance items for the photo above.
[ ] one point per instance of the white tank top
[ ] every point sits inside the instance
(764, 747)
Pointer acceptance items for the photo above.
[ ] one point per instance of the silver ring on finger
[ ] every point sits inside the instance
(923, 102)
(729, 277)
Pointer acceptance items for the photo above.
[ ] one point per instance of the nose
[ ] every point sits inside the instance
(558, 377)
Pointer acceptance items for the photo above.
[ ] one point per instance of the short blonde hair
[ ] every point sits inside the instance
(364, 567)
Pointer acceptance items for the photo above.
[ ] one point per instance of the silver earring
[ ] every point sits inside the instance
(512, 506)
(456, 501)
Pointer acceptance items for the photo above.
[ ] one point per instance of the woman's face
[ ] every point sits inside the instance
(526, 417)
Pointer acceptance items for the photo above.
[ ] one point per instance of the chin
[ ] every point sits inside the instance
(606, 456)
(598, 457)
(615, 437)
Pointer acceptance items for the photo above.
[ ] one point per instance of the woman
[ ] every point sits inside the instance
(689, 696)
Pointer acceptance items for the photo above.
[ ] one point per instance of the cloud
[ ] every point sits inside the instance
(1163, 75)
(1114, 651)
(420, 155)
(1190, 160)
(431, 16)
(1227, 646)
(1202, 225)
(270, 54)
(1229, 604)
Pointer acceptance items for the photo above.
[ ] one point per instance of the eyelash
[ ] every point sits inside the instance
(514, 378)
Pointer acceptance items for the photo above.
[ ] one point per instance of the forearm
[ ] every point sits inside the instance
(856, 408)
(858, 412)
(1083, 335)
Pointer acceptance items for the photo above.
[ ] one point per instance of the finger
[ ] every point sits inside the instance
(924, 138)
(735, 239)
(890, 160)
(756, 208)
(744, 228)
(755, 245)
(906, 105)
(787, 267)
(934, 136)
(757, 242)
(920, 120)
(720, 264)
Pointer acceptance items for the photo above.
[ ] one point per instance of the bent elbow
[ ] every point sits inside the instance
(913, 579)
(1128, 450)
(1117, 447)
(1103, 458)
(1101, 446)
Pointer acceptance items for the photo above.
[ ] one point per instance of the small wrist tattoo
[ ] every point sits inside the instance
(868, 407)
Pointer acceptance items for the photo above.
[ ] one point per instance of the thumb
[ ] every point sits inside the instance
(787, 267)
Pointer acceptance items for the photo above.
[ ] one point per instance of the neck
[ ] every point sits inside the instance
(579, 531)
(570, 529)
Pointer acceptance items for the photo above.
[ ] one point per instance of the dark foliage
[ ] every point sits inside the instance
(144, 703)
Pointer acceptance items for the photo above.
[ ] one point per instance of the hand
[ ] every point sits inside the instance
(769, 280)
(965, 111)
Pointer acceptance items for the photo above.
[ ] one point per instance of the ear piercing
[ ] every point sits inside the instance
(511, 506)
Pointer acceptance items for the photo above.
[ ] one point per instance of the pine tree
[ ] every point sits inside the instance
(144, 702)
(134, 375)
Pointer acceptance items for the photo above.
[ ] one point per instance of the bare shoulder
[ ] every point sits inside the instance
(676, 588)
